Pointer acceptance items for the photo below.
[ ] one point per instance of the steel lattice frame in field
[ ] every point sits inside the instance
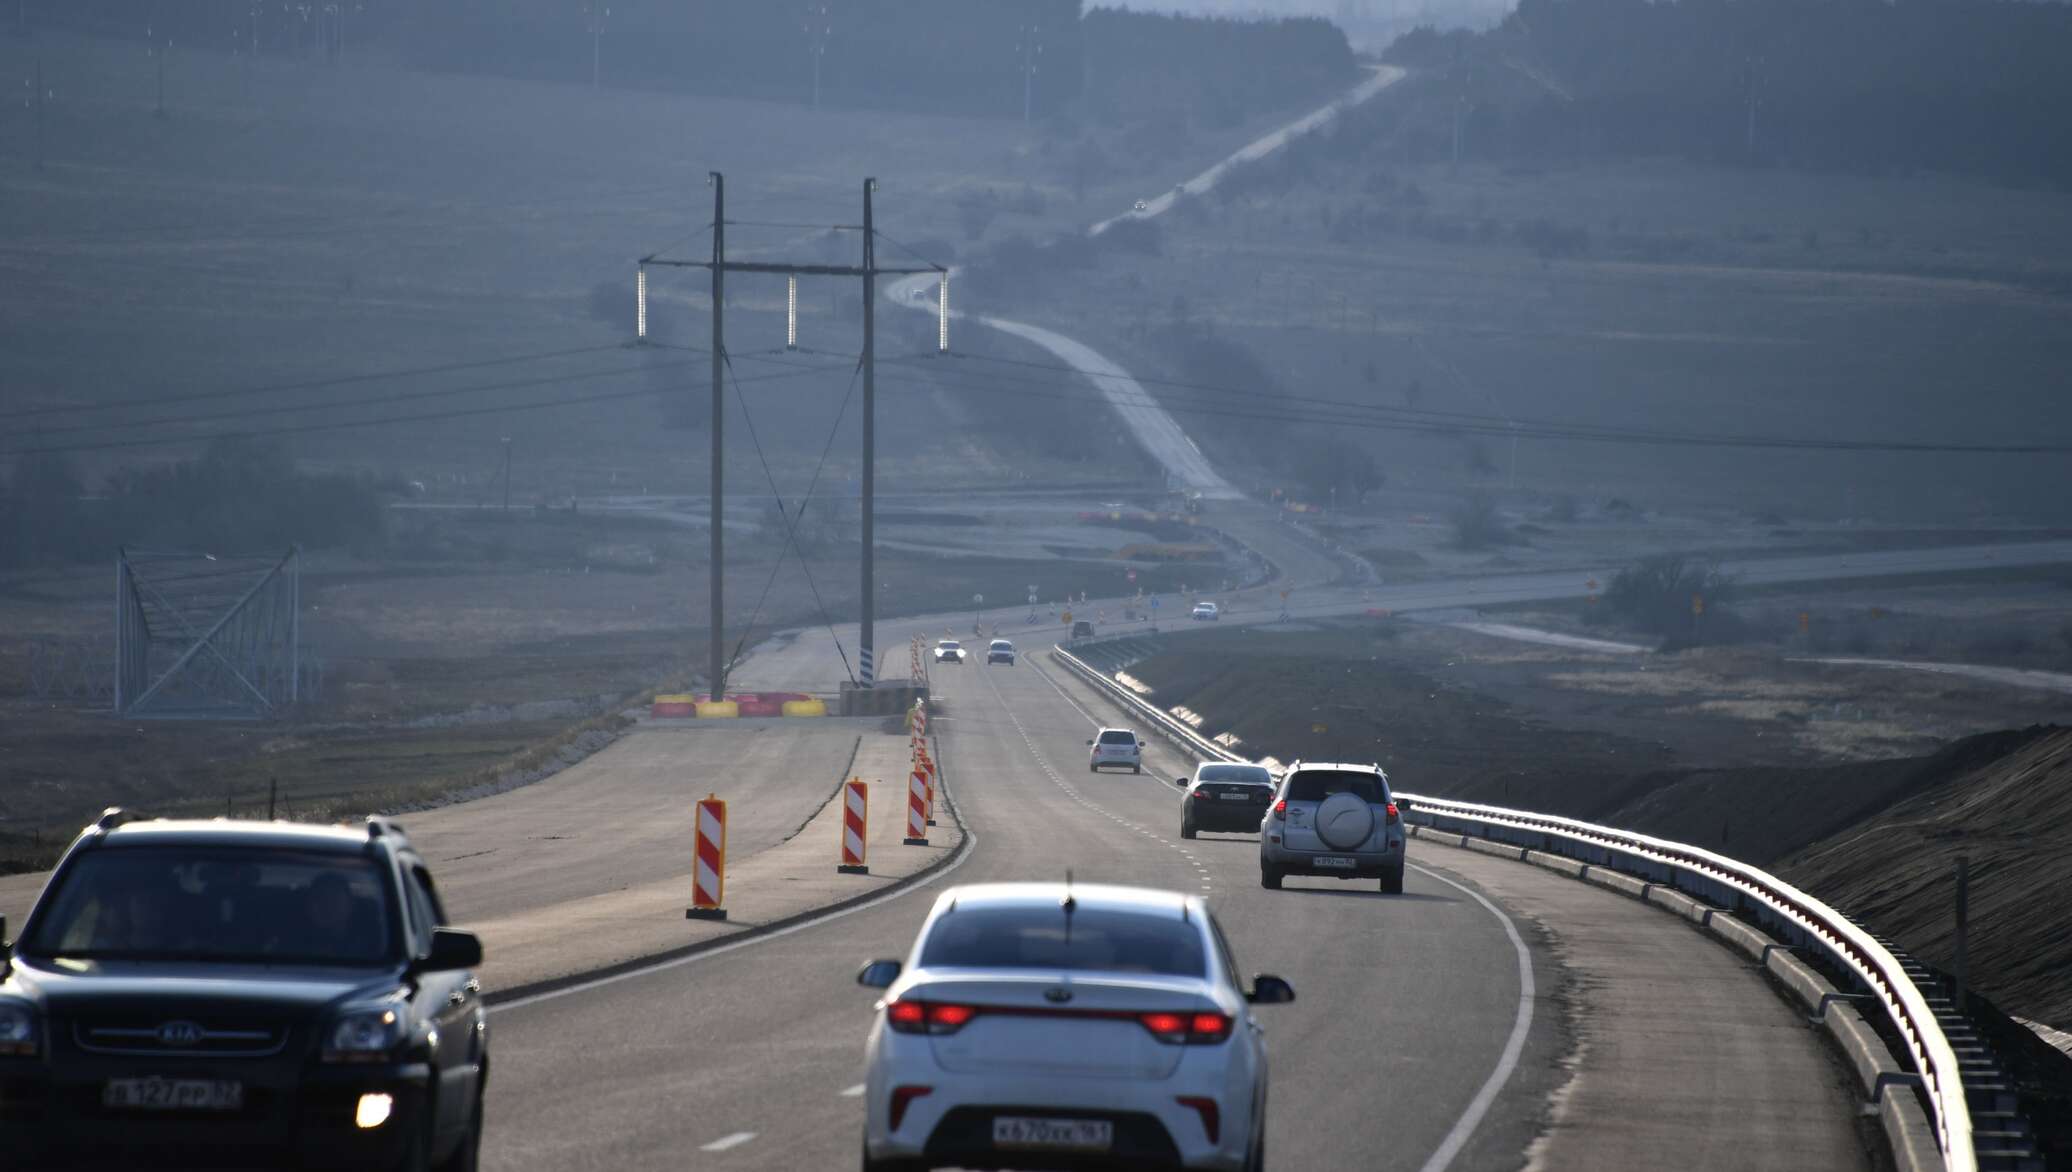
(202, 636)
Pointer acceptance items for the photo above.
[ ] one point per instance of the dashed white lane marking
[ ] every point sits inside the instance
(855, 1092)
(1072, 791)
(728, 1141)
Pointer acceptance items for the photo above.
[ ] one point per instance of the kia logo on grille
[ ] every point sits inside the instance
(179, 1033)
(1057, 995)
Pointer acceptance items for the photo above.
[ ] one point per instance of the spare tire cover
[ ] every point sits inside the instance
(1344, 821)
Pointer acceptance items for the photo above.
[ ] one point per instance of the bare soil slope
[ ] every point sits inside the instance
(2004, 809)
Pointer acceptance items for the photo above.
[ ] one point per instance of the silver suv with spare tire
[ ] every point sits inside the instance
(1336, 820)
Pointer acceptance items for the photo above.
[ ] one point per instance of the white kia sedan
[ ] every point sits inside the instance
(1039, 1024)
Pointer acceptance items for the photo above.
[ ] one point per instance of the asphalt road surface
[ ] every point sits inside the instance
(1424, 1036)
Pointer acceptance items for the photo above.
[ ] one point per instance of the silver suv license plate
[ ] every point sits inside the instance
(1014, 1131)
(173, 1094)
(1333, 861)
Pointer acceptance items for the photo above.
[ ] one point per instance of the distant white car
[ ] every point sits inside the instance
(1038, 1025)
(949, 651)
(1000, 651)
(1115, 746)
(1142, 206)
(1206, 612)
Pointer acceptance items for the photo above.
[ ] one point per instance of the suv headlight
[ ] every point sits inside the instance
(363, 1033)
(20, 1031)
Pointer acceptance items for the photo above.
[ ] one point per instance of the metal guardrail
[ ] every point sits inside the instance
(1724, 882)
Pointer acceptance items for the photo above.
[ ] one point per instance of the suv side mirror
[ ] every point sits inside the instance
(1089, 742)
(1402, 803)
(878, 974)
(1181, 782)
(452, 949)
(1270, 990)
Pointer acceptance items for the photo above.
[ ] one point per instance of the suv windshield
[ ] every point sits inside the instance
(1115, 737)
(1314, 785)
(1038, 938)
(220, 905)
(1252, 773)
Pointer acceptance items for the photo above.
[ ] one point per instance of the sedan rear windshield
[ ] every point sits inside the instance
(1314, 785)
(1047, 938)
(217, 905)
(1112, 737)
(1256, 774)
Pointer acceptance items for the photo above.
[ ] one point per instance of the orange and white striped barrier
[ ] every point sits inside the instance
(856, 816)
(917, 810)
(709, 871)
(924, 772)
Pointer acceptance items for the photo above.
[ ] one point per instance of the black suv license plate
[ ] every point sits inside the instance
(173, 1094)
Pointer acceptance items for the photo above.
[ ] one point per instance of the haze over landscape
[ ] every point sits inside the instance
(1651, 414)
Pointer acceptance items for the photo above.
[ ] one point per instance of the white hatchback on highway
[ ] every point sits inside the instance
(1044, 1024)
(1115, 746)
(949, 651)
(1205, 611)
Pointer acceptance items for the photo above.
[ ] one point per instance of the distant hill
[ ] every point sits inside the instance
(1849, 85)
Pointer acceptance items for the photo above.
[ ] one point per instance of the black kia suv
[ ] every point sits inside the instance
(241, 994)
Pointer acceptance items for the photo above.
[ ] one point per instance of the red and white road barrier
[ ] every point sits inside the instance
(917, 809)
(856, 816)
(925, 769)
(709, 872)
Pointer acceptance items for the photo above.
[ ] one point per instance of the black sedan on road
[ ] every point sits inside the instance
(216, 994)
(1223, 796)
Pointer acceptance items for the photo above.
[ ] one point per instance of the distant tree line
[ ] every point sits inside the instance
(236, 496)
(1219, 71)
(952, 56)
(1860, 85)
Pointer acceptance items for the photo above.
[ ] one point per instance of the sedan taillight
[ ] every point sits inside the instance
(1188, 1029)
(927, 1017)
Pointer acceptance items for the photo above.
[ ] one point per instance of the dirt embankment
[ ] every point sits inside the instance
(2000, 800)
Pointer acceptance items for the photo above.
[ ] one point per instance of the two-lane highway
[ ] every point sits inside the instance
(750, 1057)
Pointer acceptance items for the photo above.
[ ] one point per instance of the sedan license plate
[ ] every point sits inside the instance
(1086, 1135)
(1334, 861)
(173, 1094)
(1235, 797)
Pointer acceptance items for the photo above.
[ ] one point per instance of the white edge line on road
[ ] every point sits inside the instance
(728, 1141)
(1464, 1127)
(964, 852)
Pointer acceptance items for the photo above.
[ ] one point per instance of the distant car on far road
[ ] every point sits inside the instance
(1141, 206)
(949, 651)
(1206, 612)
(1001, 651)
(1115, 746)
(1224, 796)
(1081, 629)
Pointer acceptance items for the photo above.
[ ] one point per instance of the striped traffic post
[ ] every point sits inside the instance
(856, 814)
(709, 872)
(925, 769)
(917, 810)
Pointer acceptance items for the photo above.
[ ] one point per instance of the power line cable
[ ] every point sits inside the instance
(771, 582)
(1490, 426)
(306, 385)
(791, 530)
(427, 417)
(374, 400)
